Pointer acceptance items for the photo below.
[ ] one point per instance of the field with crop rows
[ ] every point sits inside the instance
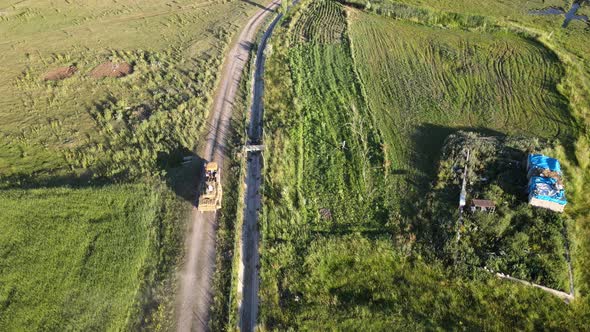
(320, 22)
(343, 244)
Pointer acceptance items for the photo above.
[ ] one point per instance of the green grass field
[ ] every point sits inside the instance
(357, 109)
(355, 283)
(508, 12)
(80, 266)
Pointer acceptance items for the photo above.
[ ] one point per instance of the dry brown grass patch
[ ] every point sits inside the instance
(60, 73)
(111, 69)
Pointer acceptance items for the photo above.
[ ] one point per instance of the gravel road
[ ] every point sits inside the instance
(194, 296)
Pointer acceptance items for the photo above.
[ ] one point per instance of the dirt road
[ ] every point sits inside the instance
(248, 280)
(194, 296)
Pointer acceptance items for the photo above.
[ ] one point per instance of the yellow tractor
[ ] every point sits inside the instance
(210, 197)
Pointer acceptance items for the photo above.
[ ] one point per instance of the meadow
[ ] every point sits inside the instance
(421, 82)
(357, 109)
(85, 265)
(52, 127)
(91, 180)
(569, 47)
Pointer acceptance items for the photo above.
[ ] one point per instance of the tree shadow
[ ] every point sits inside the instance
(246, 45)
(427, 142)
(255, 4)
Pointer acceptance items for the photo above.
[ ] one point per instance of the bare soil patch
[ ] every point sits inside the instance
(60, 73)
(111, 69)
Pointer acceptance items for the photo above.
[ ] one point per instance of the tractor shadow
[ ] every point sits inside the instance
(184, 171)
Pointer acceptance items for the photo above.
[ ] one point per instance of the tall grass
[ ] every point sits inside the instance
(319, 157)
(430, 17)
(88, 258)
(354, 283)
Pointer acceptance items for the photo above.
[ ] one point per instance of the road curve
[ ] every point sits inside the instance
(248, 273)
(194, 296)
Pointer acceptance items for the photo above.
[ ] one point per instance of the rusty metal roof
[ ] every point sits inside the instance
(486, 203)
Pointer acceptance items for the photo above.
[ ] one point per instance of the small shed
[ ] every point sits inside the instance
(483, 205)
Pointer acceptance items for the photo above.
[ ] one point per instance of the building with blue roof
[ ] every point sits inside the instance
(545, 183)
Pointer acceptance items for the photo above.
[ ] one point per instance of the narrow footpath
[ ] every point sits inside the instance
(194, 296)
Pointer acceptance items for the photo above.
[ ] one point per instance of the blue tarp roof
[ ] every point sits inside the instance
(540, 179)
(544, 162)
(546, 189)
